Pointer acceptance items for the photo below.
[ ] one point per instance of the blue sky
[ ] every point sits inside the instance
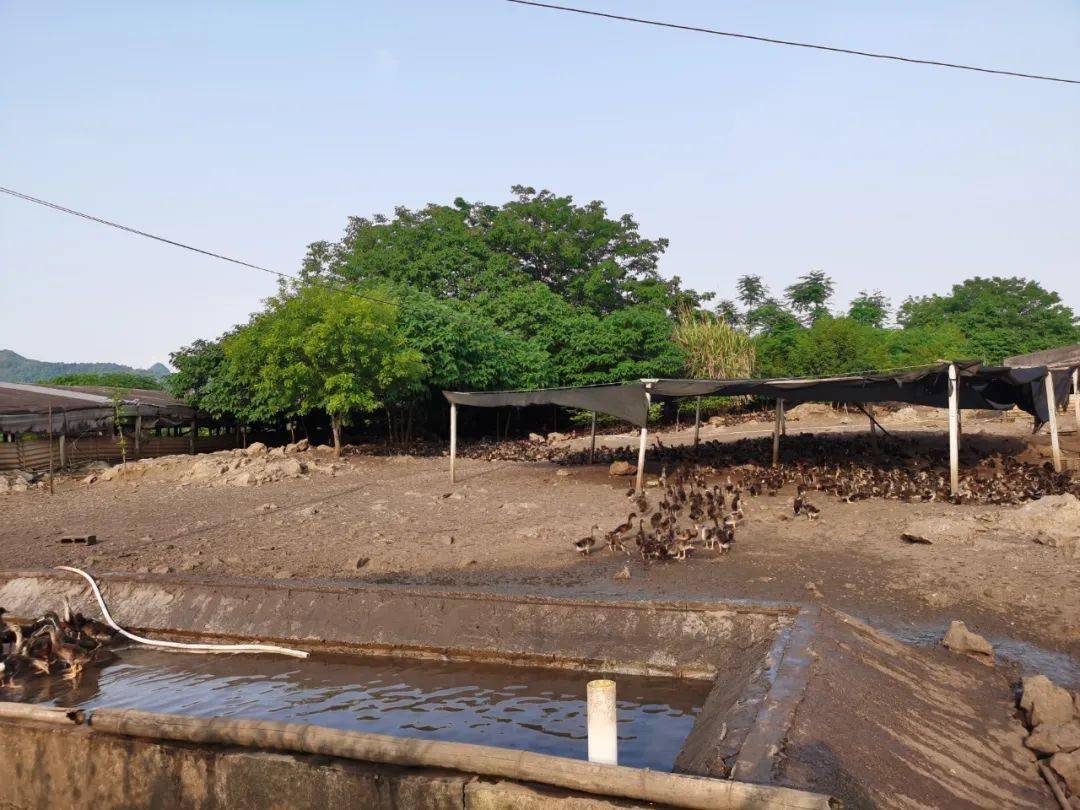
(253, 129)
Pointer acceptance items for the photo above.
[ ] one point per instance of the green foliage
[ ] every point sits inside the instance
(714, 348)
(320, 349)
(871, 309)
(564, 294)
(998, 317)
(809, 296)
(111, 379)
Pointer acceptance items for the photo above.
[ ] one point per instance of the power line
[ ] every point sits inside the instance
(174, 243)
(774, 41)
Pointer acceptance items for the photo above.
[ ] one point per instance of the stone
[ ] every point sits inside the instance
(448, 540)
(624, 573)
(90, 479)
(1044, 702)
(5, 486)
(622, 468)
(960, 639)
(556, 437)
(27, 477)
(360, 562)
(1067, 766)
(536, 438)
(302, 446)
(1062, 737)
(309, 511)
(256, 449)
(244, 479)
(161, 569)
(267, 507)
(562, 472)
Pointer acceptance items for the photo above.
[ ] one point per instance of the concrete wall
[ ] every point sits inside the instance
(686, 639)
(61, 767)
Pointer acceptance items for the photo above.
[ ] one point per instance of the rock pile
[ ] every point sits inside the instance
(254, 465)
(1053, 717)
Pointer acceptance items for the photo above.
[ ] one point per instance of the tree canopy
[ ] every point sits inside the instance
(999, 317)
(110, 379)
(542, 291)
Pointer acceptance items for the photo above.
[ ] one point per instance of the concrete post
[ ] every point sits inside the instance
(1051, 406)
(954, 431)
(640, 487)
(453, 442)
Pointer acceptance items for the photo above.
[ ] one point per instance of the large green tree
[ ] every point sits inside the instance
(578, 290)
(998, 317)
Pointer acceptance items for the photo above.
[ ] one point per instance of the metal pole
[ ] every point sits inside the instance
(600, 706)
(592, 438)
(954, 431)
(453, 442)
(697, 423)
(1051, 406)
(776, 432)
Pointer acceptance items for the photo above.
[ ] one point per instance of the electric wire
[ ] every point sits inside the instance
(127, 228)
(794, 44)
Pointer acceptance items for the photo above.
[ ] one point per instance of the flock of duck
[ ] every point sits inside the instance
(853, 469)
(53, 644)
(689, 514)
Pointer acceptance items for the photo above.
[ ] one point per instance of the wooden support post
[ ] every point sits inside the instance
(954, 431)
(138, 432)
(640, 484)
(453, 442)
(1051, 406)
(50, 452)
(776, 432)
(697, 423)
(63, 451)
(592, 438)
(194, 434)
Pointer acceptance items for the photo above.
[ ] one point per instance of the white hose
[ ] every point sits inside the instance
(179, 645)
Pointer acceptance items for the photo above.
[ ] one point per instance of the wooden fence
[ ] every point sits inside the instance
(33, 454)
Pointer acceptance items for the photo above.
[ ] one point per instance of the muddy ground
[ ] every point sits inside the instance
(510, 526)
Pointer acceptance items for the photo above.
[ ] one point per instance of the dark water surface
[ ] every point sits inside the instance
(541, 710)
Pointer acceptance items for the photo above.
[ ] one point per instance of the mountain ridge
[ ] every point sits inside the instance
(16, 368)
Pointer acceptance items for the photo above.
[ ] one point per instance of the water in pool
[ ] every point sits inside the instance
(534, 709)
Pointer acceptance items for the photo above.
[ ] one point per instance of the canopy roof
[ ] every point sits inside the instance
(1064, 357)
(981, 387)
(25, 408)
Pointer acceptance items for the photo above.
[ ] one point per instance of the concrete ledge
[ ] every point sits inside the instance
(678, 638)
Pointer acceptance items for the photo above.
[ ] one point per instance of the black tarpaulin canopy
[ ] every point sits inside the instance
(1034, 389)
(624, 400)
(981, 387)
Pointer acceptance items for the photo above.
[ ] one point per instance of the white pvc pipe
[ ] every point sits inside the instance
(178, 645)
(603, 739)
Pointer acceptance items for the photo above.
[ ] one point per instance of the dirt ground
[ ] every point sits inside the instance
(510, 526)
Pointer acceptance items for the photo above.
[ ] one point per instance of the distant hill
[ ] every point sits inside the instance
(16, 368)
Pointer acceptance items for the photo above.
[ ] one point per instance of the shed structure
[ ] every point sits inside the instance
(955, 385)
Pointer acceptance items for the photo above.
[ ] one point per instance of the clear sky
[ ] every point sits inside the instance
(255, 128)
